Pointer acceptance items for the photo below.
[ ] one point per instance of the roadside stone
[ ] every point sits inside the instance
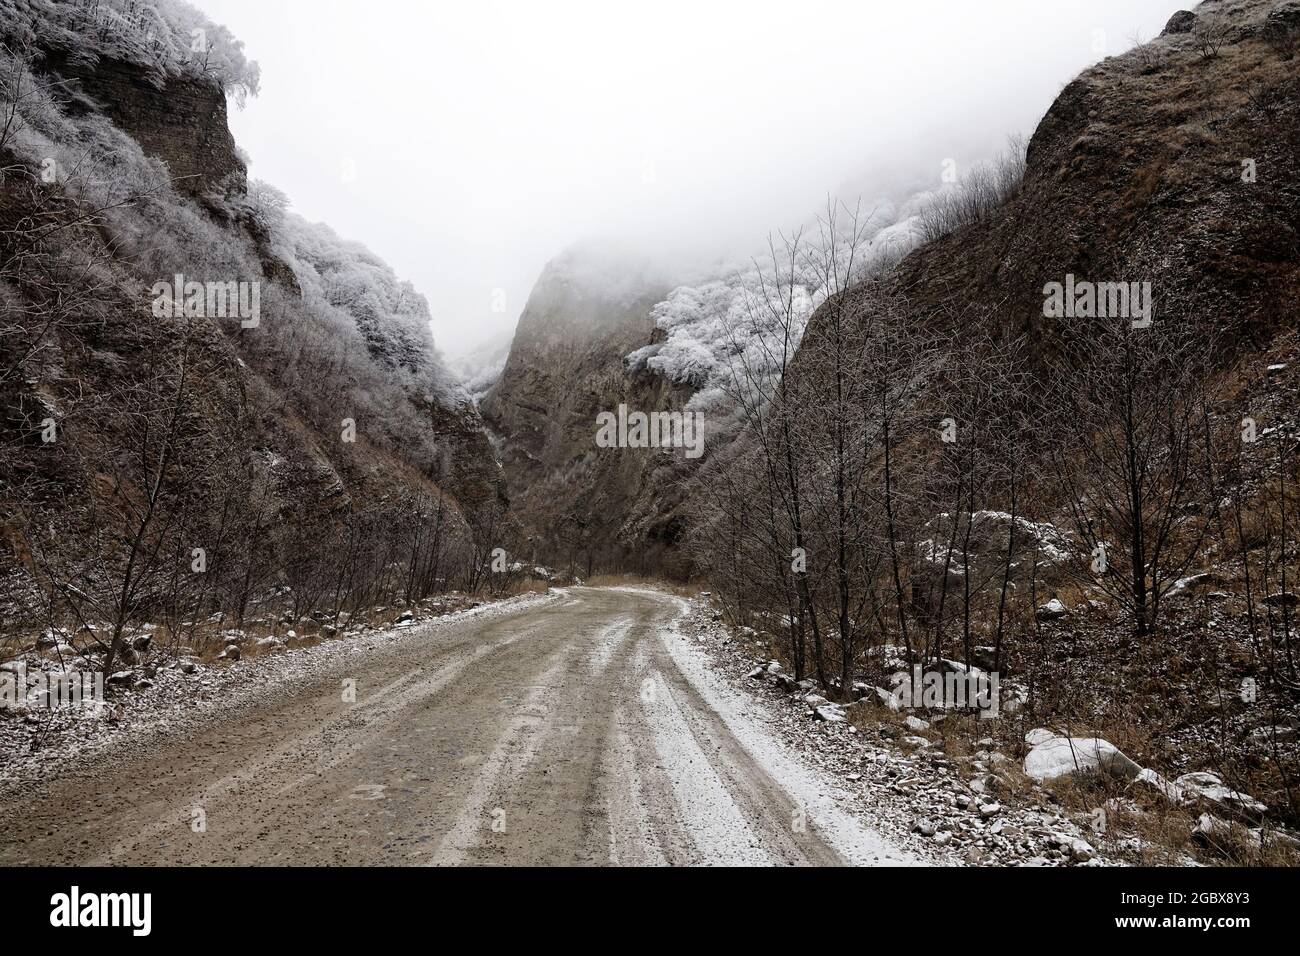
(1053, 610)
(1066, 756)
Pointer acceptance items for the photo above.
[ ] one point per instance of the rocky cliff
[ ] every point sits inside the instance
(1177, 163)
(180, 121)
(580, 504)
(301, 447)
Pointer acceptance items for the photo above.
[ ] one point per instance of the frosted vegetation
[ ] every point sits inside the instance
(349, 286)
(717, 332)
(167, 38)
(355, 315)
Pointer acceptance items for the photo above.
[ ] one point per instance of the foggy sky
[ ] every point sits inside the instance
(467, 143)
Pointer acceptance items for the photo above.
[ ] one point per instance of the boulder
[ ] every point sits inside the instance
(121, 679)
(1171, 792)
(1053, 610)
(1193, 584)
(1210, 786)
(142, 643)
(830, 713)
(1065, 756)
(1038, 736)
(1081, 851)
(231, 653)
(1282, 599)
(1184, 21)
(189, 667)
(916, 723)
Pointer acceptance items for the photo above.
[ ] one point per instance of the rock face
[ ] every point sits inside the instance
(1181, 22)
(585, 505)
(363, 350)
(183, 122)
(1116, 190)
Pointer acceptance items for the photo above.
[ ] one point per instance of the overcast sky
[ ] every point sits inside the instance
(469, 142)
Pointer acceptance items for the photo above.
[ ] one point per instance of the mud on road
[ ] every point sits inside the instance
(566, 732)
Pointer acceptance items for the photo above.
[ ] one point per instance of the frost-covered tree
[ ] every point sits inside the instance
(169, 38)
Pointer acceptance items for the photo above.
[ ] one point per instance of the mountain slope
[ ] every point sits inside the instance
(1138, 173)
(292, 427)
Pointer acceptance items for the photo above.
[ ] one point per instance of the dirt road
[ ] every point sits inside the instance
(569, 732)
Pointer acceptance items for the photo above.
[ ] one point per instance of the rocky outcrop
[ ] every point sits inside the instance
(182, 122)
(583, 506)
(1181, 22)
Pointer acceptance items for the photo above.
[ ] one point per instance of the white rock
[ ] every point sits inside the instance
(1082, 851)
(1063, 756)
(830, 713)
(1210, 786)
(1170, 791)
(1052, 610)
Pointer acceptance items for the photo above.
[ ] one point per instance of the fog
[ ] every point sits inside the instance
(468, 143)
